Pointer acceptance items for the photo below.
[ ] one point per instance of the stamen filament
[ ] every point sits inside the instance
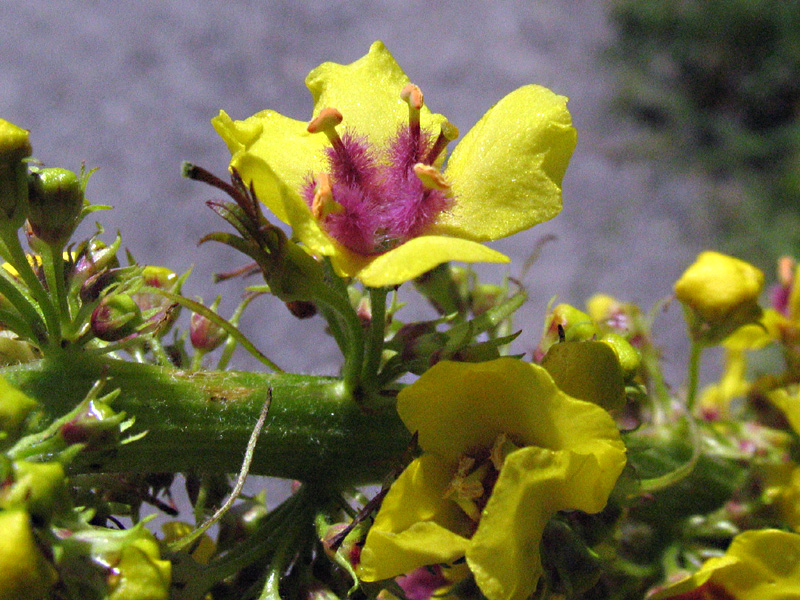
(323, 203)
(412, 96)
(447, 134)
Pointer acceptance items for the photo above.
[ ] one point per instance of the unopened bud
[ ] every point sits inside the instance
(40, 488)
(14, 409)
(486, 296)
(25, 574)
(204, 334)
(95, 258)
(116, 317)
(140, 574)
(14, 147)
(628, 356)
(96, 425)
(720, 294)
(55, 200)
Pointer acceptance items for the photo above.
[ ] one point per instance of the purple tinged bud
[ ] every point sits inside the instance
(204, 334)
(116, 317)
(96, 425)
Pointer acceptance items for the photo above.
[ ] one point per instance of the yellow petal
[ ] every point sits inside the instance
(716, 285)
(291, 152)
(367, 93)
(759, 565)
(457, 407)
(416, 525)
(419, 255)
(533, 485)
(506, 173)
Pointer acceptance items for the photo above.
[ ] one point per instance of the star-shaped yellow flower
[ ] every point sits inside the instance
(504, 450)
(759, 565)
(374, 197)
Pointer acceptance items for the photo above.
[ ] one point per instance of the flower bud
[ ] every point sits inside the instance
(40, 488)
(628, 356)
(24, 573)
(14, 409)
(55, 200)
(14, 147)
(720, 293)
(116, 317)
(140, 574)
(95, 258)
(204, 334)
(97, 425)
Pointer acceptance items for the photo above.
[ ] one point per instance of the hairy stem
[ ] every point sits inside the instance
(202, 421)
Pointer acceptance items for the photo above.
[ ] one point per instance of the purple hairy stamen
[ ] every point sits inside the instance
(383, 202)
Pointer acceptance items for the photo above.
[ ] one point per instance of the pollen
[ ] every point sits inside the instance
(430, 177)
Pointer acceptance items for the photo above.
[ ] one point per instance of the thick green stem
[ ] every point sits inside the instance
(202, 421)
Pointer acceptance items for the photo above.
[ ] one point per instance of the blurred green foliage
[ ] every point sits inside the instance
(716, 84)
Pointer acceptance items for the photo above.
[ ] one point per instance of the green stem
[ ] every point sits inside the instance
(694, 375)
(202, 421)
(372, 360)
(53, 263)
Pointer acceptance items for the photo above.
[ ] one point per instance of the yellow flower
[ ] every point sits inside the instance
(504, 450)
(721, 293)
(375, 199)
(759, 565)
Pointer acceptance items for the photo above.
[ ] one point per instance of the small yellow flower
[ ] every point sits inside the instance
(759, 565)
(504, 450)
(721, 293)
(375, 198)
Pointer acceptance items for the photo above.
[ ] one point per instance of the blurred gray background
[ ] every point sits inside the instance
(130, 87)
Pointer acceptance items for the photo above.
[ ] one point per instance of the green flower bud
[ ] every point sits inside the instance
(116, 317)
(38, 487)
(97, 425)
(14, 147)
(204, 334)
(55, 199)
(14, 409)
(140, 573)
(14, 351)
(629, 357)
(577, 325)
(94, 258)
(24, 573)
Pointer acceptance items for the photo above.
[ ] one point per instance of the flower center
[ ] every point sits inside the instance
(476, 475)
(373, 199)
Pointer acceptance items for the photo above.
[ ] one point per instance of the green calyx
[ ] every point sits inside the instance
(14, 148)
(55, 199)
